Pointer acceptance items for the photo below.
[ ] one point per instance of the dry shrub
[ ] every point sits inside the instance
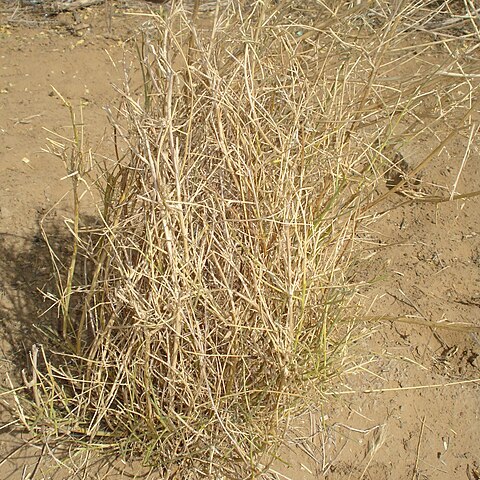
(216, 297)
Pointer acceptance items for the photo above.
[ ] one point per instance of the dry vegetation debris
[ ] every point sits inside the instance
(212, 298)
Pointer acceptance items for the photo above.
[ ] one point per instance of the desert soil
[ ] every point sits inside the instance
(391, 421)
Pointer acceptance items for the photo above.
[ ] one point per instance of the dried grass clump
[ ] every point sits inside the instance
(215, 292)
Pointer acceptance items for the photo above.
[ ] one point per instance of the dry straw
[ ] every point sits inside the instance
(215, 292)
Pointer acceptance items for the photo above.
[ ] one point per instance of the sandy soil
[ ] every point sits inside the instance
(426, 258)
